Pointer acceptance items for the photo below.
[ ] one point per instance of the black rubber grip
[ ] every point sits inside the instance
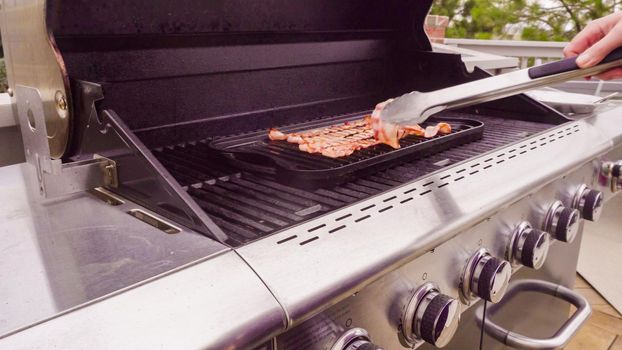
(487, 277)
(567, 65)
(436, 309)
(529, 248)
(591, 201)
(561, 231)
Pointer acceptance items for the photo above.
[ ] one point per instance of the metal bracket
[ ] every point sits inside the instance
(55, 177)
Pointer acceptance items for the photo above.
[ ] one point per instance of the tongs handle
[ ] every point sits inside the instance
(567, 65)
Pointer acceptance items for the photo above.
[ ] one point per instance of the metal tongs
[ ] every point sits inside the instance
(416, 107)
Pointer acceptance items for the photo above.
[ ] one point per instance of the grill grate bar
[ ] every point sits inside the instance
(212, 208)
(250, 193)
(244, 202)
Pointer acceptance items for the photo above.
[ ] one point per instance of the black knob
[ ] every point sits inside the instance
(562, 222)
(492, 279)
(535, 249)
(591, 205)
(439, 320)
(567, 225)
(530, 246)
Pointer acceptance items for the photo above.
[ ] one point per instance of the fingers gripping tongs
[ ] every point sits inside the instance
(416, 107)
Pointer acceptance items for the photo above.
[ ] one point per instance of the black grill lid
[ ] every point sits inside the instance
(180, 70)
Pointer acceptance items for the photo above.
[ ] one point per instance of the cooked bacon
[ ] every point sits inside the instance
(431, 131)
(341, 140)
(415, 129)
(444, 128)
(275, 135)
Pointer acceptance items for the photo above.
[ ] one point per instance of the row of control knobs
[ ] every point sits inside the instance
(487, 277)
(433, 317)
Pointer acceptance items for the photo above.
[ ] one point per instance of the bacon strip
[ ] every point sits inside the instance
(342, 140)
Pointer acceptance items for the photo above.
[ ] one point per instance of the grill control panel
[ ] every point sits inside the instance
(422, 301)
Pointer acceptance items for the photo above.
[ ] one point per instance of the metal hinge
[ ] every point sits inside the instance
(54, 177)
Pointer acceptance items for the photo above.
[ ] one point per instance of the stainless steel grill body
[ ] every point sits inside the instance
(341, 256)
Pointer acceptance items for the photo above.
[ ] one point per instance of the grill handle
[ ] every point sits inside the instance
(560, 338)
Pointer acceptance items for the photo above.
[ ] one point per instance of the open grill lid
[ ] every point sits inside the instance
(156, 74)
(175, 70)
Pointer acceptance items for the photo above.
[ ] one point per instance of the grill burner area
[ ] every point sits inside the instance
(249, 206)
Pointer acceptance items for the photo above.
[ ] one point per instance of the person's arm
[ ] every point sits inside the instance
(593, 43)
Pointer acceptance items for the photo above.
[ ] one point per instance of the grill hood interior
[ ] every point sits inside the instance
(183, 70)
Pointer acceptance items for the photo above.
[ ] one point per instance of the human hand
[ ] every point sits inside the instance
(595, 41)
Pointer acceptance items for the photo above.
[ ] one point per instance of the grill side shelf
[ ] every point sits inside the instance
(256, 153)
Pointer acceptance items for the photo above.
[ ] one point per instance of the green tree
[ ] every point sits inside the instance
(521, 19)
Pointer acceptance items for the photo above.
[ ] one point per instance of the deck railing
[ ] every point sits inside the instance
(528, 53)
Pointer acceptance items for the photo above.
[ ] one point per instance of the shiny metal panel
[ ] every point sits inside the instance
(340, 253)
(57, 255)
(32, 59)
(379, 306)
(216, 304)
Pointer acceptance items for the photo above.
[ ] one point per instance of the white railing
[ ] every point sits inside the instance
(527, 52)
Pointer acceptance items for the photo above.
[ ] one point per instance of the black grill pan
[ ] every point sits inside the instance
(255, 152)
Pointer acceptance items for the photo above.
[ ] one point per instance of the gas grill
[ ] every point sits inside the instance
(162, 110)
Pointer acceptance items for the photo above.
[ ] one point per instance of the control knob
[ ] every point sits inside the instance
(430, 316)
(486, 277)
(613, 172)
(588, 202)
(528, 247)
(562, 222)
(354, 339)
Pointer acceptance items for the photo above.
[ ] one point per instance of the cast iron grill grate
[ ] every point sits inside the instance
(248, 206)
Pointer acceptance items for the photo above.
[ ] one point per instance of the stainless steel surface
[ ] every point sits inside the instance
(560, 338)
(214, 304)
(531, 254)
(59, 254)
(32, 59)
(341, 256)
(416, 107)
(562, 222)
